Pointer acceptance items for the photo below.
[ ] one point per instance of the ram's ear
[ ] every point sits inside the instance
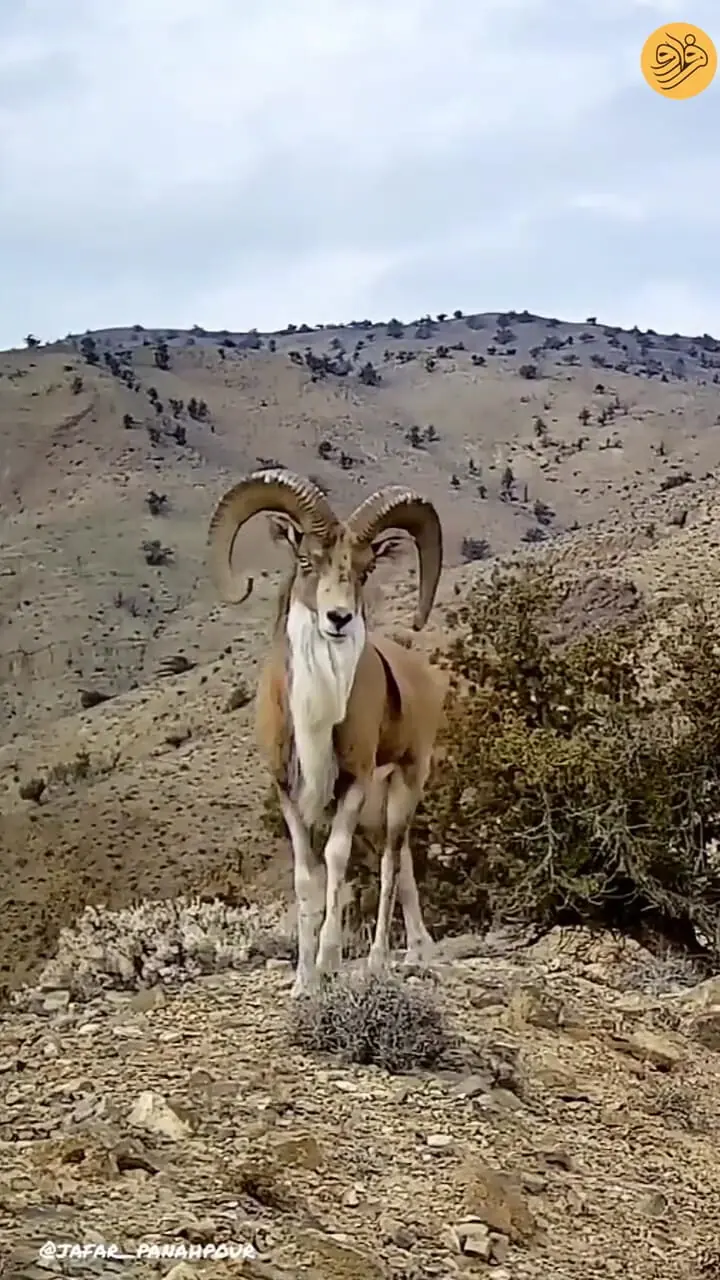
(283, 529)
(387, 547)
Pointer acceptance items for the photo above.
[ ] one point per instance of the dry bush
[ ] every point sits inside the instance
(371, 1018)
(567, 794)
(166, 942)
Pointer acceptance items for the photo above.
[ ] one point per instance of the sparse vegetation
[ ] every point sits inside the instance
(155, 553)
(89, 350)
(165, 942)
(568, 793)
(372, 1019)
(475, 549)
(156, 502)
(162, 355)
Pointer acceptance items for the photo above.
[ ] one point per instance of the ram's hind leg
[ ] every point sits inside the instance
(397, 873)
(402, 799)
(420, 946)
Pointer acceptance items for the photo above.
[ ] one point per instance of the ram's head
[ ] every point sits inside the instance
(333, 557)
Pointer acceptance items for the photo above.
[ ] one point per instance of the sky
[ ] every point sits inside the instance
(239, 164)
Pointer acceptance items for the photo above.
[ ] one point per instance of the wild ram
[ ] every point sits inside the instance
(345, 720)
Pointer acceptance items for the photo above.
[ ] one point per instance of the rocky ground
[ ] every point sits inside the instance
(568, 1130)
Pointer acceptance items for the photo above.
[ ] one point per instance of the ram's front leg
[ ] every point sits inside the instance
(309, 895)
(337, 856)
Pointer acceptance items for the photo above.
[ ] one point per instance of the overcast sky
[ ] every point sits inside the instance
(237, 163)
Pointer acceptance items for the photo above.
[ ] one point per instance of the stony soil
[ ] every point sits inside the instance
(570, 1131)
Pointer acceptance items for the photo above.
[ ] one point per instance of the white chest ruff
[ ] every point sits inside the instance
(320, 681)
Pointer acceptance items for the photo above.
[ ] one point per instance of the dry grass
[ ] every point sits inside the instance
(372, 1019)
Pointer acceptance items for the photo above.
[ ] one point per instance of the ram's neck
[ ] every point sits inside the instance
(321, 674)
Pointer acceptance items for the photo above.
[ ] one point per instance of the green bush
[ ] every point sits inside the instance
(574, 788)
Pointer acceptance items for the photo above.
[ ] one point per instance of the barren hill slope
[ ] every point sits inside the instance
(156, 789)
(519, 428)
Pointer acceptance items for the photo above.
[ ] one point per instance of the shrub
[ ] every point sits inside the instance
(156, 502)
(371, 1019)
(166, 942)
(571, 790)
(162, 355)
(155, 553)
(475, 549)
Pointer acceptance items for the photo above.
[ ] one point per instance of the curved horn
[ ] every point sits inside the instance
(274, 489)
(396, 508)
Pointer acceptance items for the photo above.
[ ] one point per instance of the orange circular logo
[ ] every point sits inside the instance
(678, 60)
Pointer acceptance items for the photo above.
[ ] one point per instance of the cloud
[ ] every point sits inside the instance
(606, 204)
(200, 161)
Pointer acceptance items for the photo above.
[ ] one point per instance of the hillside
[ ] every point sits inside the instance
(520, 429)
(128, 772)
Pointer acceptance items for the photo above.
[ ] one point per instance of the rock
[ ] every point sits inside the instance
(395, 1232)
(298, 1149)
(148, 998)
(259, 1269)
(504, 1100)
(559, 1158)
(128, 1031)
(152, 1113)
(705, 1028)
(649, 1046)
(439, 1141)
(534, 1183)
(199, 1231)
(703, 995)
(56, 1001)
(86, 1108)
(531, 1006)
(461, 946)
(654, 1205)
(496, 1199)
(470, 1086)
(472, 1238)
(338, 1259)
(499, 1247)
(181, 1271)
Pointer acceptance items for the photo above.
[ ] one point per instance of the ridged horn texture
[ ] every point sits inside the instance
(394, 507)
(273, 490)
